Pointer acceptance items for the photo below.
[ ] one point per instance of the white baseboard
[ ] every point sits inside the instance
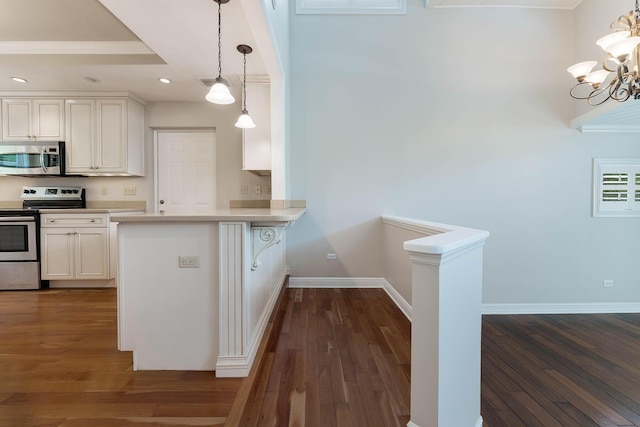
(405, 307)
(478, 423)
(568, 308)
(353, 282)
(336, 282)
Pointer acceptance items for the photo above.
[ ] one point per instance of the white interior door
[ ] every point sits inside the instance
(186, 171)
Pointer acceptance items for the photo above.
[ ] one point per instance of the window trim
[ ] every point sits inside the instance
(629, 166)
(349, 9)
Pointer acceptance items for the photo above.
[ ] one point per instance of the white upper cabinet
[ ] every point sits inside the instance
(38, 119)
(104, 136)
(256, 142)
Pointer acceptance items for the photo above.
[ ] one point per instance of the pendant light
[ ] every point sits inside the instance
(244, 121)
(219, 93)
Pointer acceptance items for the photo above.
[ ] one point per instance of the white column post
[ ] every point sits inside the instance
(234, 255)
(446, 328)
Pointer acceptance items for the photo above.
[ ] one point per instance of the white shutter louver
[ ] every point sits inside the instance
(616, 187)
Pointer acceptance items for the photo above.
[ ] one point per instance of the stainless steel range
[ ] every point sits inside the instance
(20, 233)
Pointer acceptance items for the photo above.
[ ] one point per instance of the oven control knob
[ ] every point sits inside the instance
(25, 191)
(75, 191)
(32, 191)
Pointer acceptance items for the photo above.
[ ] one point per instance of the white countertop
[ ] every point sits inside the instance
(88, 210)
(228, 214)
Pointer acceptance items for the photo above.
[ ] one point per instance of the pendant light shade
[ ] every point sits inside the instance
(219, 92)
(244, 121)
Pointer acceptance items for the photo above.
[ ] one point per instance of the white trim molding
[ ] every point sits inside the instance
(564, 308)
(74, 48)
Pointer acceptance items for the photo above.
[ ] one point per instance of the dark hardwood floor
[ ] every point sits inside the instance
(338, 358)
(342, 358)
(561, 370)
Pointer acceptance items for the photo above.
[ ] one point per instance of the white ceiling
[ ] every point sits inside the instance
(128, 44)
(125, 44)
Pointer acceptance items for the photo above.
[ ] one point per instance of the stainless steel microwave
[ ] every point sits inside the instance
(32, 158)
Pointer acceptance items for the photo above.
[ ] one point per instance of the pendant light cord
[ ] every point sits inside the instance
(244, 81)
(220, 39)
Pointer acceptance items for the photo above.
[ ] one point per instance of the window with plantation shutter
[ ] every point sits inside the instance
(351, 6)
(616, 187)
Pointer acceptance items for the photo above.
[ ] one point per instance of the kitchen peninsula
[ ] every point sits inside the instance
(196, 290)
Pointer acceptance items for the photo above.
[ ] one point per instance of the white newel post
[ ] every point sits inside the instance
(446, 327)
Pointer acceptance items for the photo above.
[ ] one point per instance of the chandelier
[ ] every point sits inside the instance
(623, 61)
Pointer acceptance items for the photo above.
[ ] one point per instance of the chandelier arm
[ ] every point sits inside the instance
(624, 22)
(605, 67)
(618, 92)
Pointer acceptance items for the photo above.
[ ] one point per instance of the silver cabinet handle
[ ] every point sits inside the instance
(93, 220)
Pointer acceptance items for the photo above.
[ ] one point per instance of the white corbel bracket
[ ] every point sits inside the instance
(263, 236)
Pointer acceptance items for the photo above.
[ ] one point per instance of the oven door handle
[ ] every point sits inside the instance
(17, 219)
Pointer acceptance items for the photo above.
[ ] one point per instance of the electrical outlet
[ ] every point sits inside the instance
(129, 191)
(331, 256)
(244, 189)
(608, 283)
(258, 189)
(189, 261)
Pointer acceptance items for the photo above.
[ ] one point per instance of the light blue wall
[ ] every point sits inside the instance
(457, 116)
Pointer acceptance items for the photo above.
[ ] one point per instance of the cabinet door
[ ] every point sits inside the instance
(111, 138)
(16, 119)
(57, 253)
(92, 253)
(47, 119)
(81, 135)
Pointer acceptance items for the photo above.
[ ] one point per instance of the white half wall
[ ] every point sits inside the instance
(387, 118)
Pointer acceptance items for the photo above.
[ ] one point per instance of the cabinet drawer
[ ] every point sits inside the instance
(74, 220)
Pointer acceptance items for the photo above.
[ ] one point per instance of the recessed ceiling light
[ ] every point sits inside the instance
(91, 80)
(164, 80)
(19, 79)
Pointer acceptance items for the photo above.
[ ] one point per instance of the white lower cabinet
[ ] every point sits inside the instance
(74, 247)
